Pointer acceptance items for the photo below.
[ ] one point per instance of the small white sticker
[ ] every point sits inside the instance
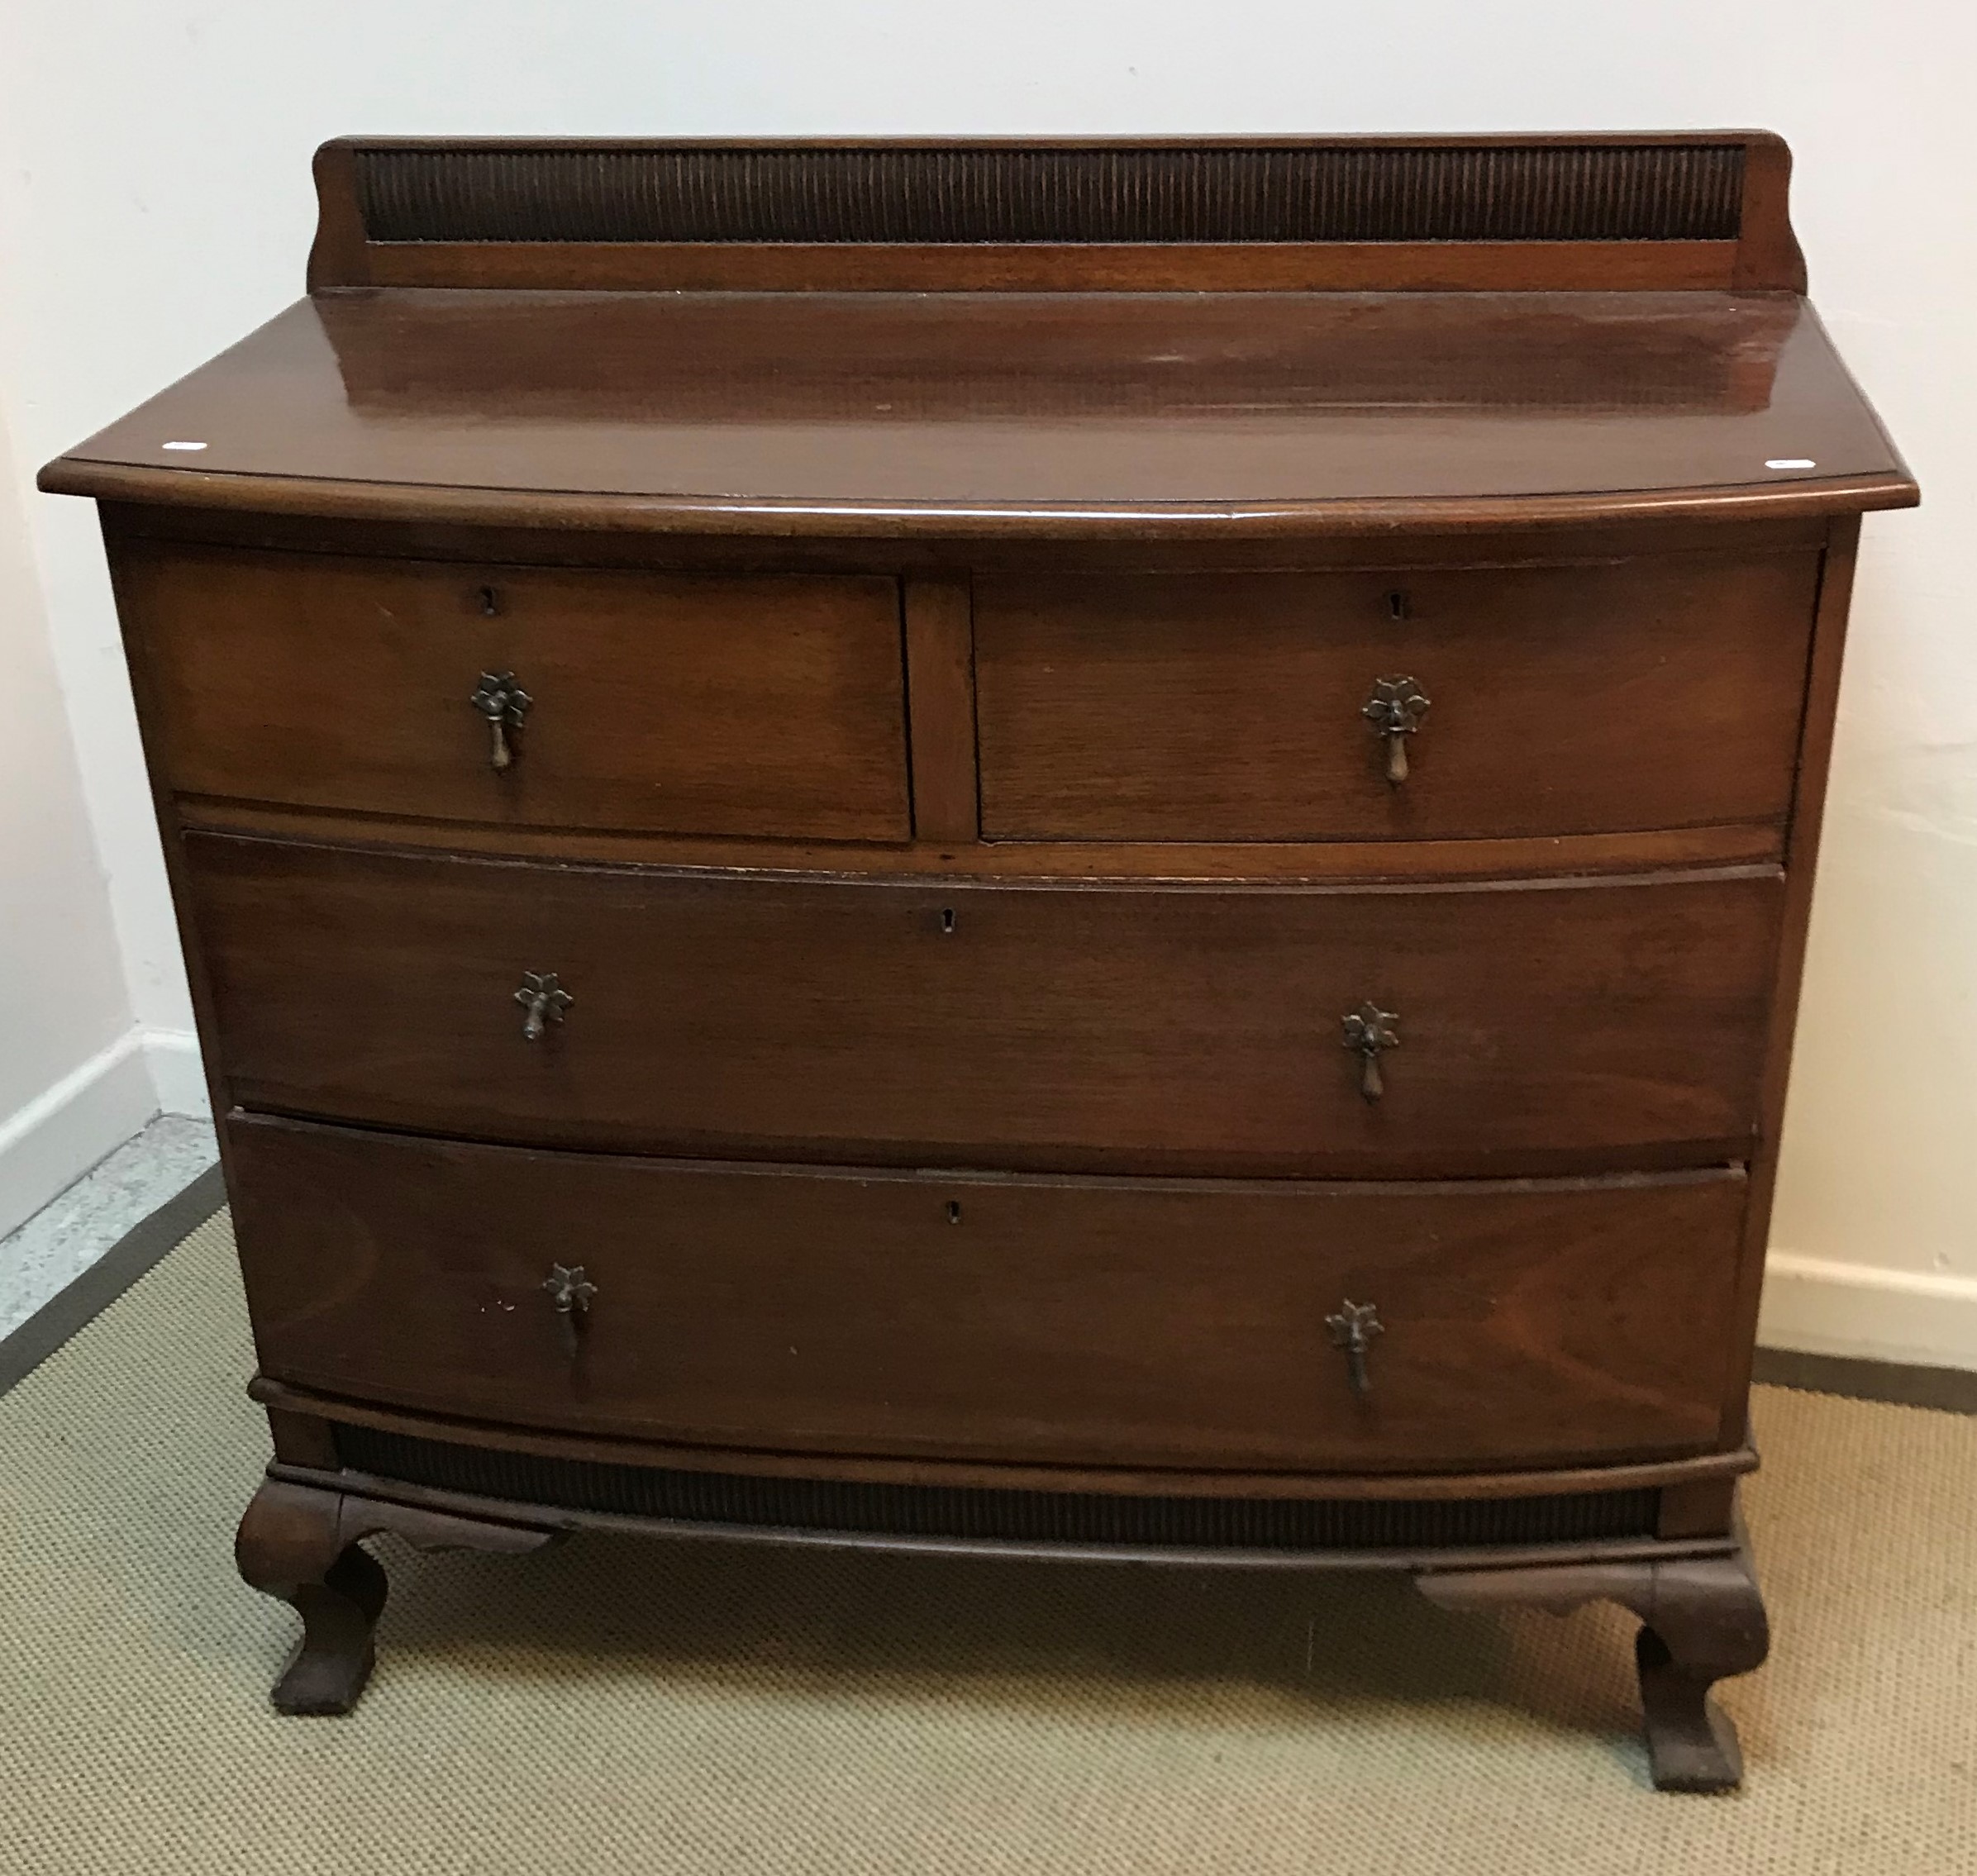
(1790, 462)
(185, 445)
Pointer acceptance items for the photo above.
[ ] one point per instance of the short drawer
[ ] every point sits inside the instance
(654, 703)
(1653, 693)
(1551, 1026)
(1158, 1323)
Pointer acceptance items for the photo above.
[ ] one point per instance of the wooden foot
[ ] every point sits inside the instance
(1702, 1620)
(1706, 1622)
(299, 1543)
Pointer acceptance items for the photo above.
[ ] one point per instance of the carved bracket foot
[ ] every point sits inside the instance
(1702, 1620)
(299, 1544)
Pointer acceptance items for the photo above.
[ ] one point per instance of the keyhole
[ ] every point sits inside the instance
(947, 919)
(1398, 606)
(954, 1210)
(490, 602)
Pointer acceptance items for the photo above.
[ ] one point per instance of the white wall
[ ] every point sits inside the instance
(158, 173)
(71, 1086)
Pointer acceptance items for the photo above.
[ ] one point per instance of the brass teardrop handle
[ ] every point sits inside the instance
(571, 1291)
(569, 1288)
(1353, 1329)
(504, 704)
(1395, 711)
(1368, 1030)
(543, 1000)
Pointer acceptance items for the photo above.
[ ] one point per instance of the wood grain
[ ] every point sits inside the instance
(1074, 1321)
(1543, 1027)
(1219, 267)
(339, 255)
(939, 667)
(1220, 1482)
(384, 1491)
(1453, 212)
(430, 539)
(1075, 493)
(1212, 417)
(1223, 707)
(658, 702)
(1815, 757)
(1702, 1620)
(1335, 863)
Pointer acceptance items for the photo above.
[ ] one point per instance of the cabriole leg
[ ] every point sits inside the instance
(1702, 1620)
(298, 1542)
(291, 1545)
(1707, 1622)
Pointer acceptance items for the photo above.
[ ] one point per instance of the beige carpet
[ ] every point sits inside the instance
(615, 1706)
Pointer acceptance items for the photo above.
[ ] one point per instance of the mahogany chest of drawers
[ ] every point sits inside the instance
(1095, 850)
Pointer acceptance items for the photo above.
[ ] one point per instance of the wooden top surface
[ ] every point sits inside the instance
(1204, 414)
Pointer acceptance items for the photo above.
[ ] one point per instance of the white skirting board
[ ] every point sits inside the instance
(178, 1071)
(1919, 1318)
(47, 1146)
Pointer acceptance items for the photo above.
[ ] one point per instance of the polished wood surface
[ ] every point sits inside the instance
(300, 1540)
(1414, 267)
(1651, 693)
(1401, 213)
(939, 663)
(1822, 714)
(1564, 1026)
(301, 1545)
(1404, 861)
(665, 704)
(943, 975)
(1589, 541)
(1702, 1622)
(1706, 1470)
(563, 1519)
(1078, 1321)
(964, 415)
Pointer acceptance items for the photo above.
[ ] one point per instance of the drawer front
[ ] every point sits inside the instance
(1097, 1321)
(1158, 1029)
(654, 703)
(1561, 700)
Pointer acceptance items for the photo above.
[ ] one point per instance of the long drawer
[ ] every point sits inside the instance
(1431, 703)
(1103, 1321)
(1264, 1031)
(532, 697)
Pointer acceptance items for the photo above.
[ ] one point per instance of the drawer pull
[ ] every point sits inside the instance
(1368, 1030)
(1353, 1329)
(504, 704)
(571, 1291)
(543, 1000)
(1395, 710)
